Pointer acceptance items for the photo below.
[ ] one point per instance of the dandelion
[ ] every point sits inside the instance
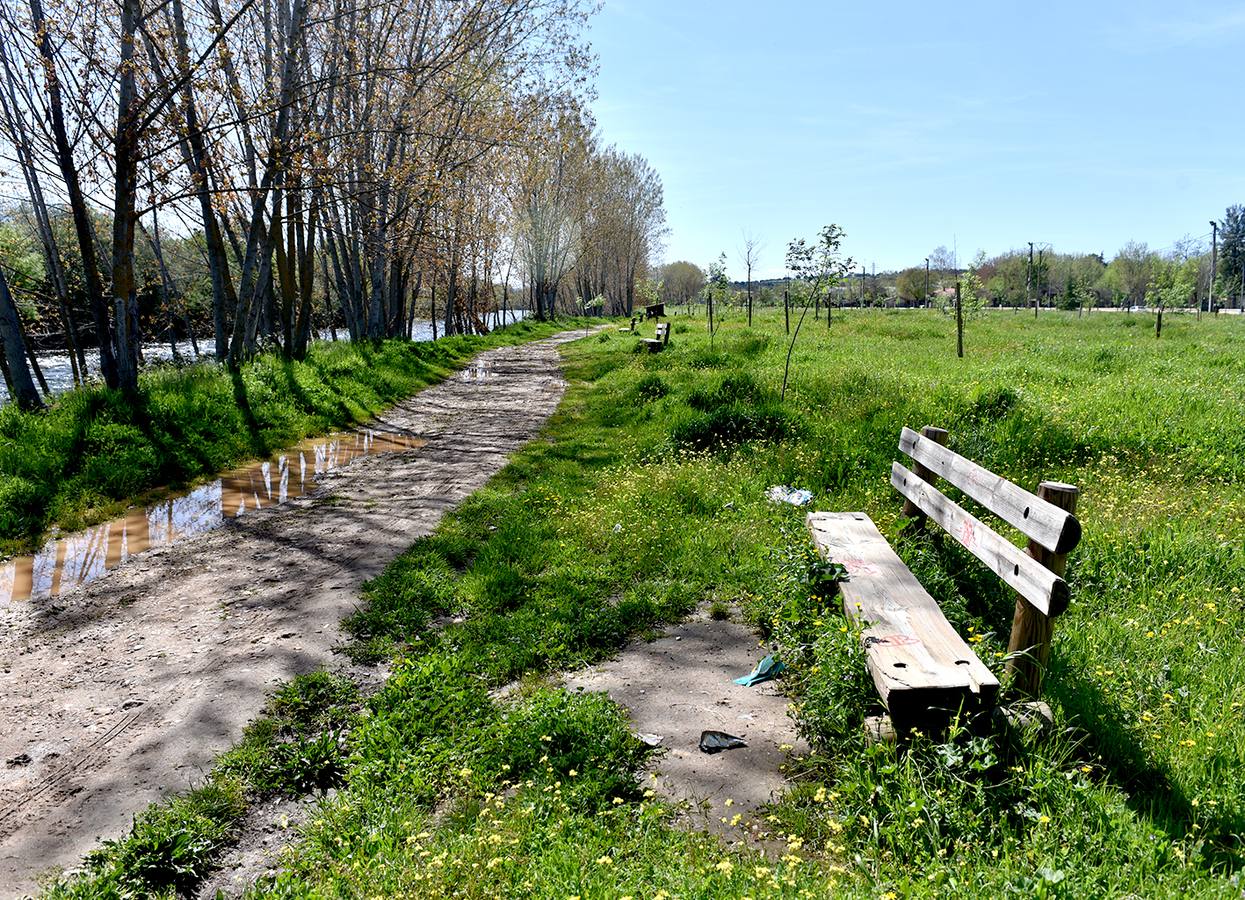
(605, 861)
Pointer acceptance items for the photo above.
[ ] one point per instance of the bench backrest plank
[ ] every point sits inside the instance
(1039, 585)
(1055, 529)
(919, 663)
(663, 332)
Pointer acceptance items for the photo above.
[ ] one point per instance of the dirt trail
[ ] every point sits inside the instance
(123, 691)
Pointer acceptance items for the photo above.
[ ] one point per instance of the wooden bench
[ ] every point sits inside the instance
(658, 343)
(923, 670)
(654, 311)
(629, 329)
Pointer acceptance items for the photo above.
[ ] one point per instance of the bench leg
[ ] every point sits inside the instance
(880, 730)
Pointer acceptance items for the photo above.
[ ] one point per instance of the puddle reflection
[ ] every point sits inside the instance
(477, 371)
(80, 557)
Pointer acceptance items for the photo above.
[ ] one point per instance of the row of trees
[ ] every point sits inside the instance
(265, 165)
(1177, 276)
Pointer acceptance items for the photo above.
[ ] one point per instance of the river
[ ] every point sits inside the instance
(58, 371)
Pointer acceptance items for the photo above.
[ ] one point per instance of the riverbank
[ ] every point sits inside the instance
(646, 499)
(92, 453)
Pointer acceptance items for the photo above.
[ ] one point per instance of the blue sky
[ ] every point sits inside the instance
(913, 125)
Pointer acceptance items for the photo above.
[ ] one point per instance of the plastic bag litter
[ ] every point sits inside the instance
(784, 493)
(766, 670)
(717, 741)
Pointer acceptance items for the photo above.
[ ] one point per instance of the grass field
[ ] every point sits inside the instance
(93, 453)
(644, 499)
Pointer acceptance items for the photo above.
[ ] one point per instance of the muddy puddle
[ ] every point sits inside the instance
(73, 559)
(477, 371)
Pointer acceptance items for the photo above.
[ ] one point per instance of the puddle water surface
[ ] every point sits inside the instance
(74, 559)
(477, 371)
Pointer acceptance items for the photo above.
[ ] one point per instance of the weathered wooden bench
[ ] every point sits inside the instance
(923, 669)
(629, 329)
(658, 343)
(654, 311)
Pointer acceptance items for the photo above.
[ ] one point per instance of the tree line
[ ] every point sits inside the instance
(1192, 273)
(259, 168)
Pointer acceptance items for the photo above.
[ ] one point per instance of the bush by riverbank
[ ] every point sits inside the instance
(93, 452)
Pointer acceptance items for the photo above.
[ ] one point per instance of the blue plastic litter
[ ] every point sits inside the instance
(767, 670)
(782, 493)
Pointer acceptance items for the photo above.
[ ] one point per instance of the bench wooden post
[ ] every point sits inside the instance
(1029, 646)
(938, 436)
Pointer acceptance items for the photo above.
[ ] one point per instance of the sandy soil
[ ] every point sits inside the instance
(124, 691)
(682, 684)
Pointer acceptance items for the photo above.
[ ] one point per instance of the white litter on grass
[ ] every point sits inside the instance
(782, 493)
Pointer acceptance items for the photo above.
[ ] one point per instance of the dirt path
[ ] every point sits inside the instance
(682, 684)
(126, 689)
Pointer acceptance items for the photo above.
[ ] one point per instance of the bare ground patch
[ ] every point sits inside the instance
(681, 684)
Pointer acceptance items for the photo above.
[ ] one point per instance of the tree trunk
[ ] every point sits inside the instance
(125, 189)
(92, 282)
(194, 151)
(21, 385)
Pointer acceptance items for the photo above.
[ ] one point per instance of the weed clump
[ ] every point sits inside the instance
(296, 746)
(650, 387)
(735, 409)
(727, 427)
(735, 388)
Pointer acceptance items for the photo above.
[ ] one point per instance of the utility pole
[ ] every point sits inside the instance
(1040, 279)
(927, 282)
(1214, 266)
(786, 304)
(864, 275)
(959, 323)
(1029, 280)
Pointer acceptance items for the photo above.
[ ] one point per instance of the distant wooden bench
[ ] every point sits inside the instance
(658, 343)
(654, 311)
(629, 329)
(923, 670)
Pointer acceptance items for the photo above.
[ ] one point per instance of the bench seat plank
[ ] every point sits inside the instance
(1025, 575)
(1055, 529)
(917, 659)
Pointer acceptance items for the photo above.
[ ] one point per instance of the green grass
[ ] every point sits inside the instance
(93, 452)
(644, 498)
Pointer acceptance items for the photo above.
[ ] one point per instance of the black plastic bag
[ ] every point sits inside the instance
(717, 741)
